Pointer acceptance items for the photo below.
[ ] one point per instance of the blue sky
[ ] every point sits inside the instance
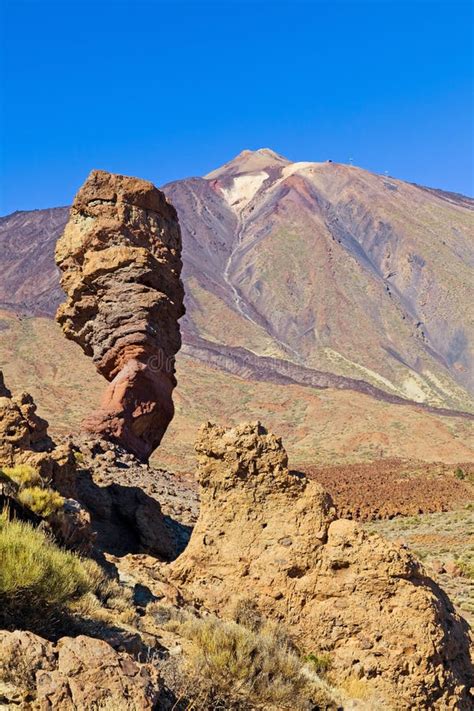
(168, 89)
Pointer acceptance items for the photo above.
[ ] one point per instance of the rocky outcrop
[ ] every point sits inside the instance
(80, 673)
(105, 488)
(120, 257)
(271, 535)
(129, 501)
(24, 439)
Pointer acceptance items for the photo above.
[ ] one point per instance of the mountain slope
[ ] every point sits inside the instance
(29, 280)
(319, 425)
(334, 269)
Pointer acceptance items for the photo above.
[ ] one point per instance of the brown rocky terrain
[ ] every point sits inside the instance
(445, 544)
(133, 507)
(267, 545)
(120, 257)
(271, 535)
(76, 673)
(387, 488)
(319, 426)
(24, 440)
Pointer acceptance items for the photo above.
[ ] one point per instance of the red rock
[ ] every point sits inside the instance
(120, 257)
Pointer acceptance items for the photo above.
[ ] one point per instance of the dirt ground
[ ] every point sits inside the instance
(444, 542)
(391, 487)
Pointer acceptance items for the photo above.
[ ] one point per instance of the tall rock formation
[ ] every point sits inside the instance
(270, 536)
(120, 257)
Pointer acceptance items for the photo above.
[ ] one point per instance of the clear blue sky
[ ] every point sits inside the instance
(169, 89)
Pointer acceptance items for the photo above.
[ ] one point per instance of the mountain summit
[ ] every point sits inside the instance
(248, 162)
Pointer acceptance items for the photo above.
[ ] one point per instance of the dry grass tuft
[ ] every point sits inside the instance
(17, 670)
(229, 666)
(115, 703)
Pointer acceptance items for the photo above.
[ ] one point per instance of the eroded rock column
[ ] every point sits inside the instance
(269, 537)
(120, 258)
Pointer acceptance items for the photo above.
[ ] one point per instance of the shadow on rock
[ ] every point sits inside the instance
(127, 520)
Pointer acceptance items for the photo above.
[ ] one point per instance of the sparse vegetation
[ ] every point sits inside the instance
(17, 669)
(439, 539)
(37, 577)
(79, 457)
(321, 663)
(467, 568)
(109, 603)
(459, 473)
(115, 703)
(228, 666)
(357, 688)
(21, 476)
(42, 501)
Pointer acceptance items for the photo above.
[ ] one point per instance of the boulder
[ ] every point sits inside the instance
(89, 671)
(270, 536)
(120, 258)
(80, 673)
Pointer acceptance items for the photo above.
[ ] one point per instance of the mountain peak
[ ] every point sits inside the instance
(248, 161)
(271, 154)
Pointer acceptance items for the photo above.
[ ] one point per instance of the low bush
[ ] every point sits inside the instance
(229, 666)
(25, 485)
(37, 577)
(43, 502)
(467, 567)
(22, 475)
(79, 457)
(16, 669)
(321, 663)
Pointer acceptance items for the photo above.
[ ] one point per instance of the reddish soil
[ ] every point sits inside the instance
(392, 487)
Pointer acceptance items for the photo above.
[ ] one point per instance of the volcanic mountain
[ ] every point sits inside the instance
(299, 275)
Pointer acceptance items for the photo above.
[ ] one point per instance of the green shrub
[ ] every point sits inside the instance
(467, 568)
(459, 473)
(31, 490)
(43, 502)
(36, 576)
(79, 457)
(22, 475)
(321, 663)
